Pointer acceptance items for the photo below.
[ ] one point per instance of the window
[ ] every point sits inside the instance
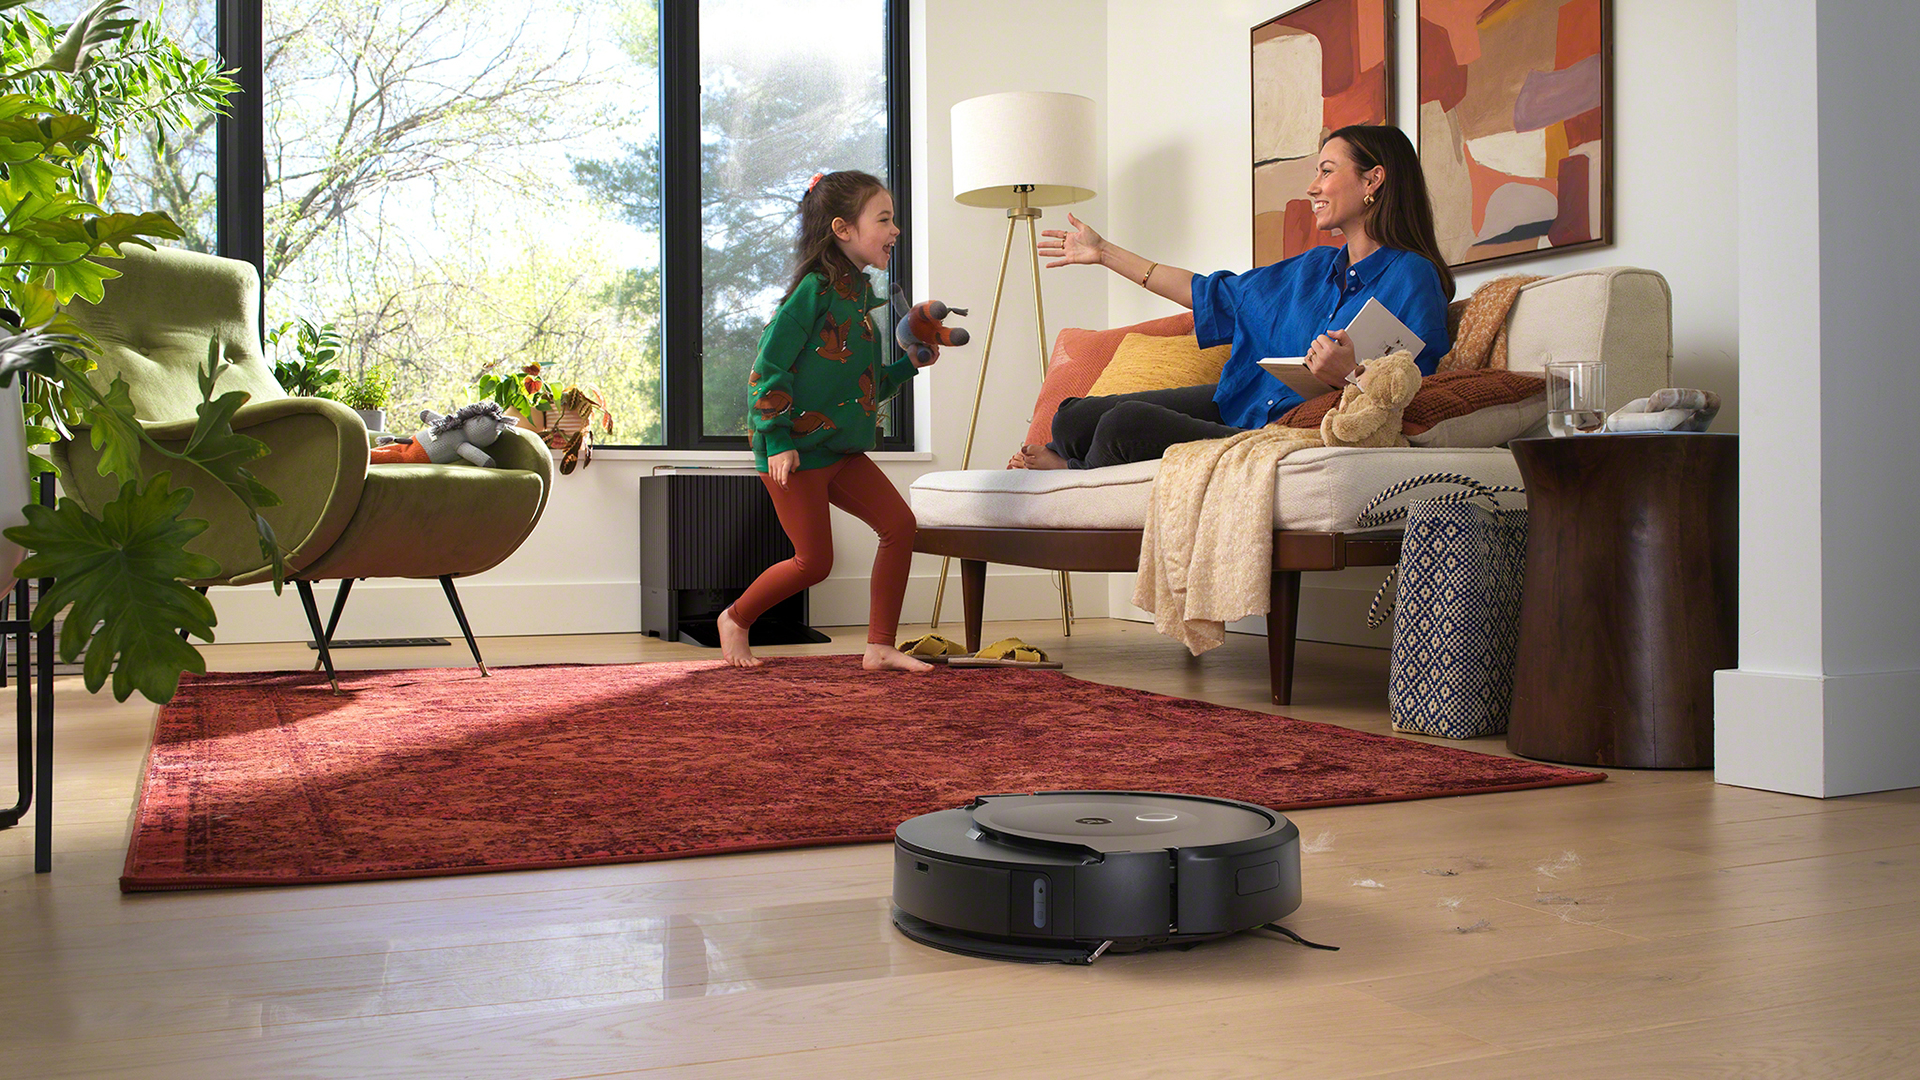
(606, 187)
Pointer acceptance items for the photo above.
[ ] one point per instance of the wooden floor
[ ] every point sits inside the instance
(1656, 925)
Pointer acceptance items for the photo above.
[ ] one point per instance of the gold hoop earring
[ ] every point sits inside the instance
(1368, 201)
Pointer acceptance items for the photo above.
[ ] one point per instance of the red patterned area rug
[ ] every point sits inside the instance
(271, 779)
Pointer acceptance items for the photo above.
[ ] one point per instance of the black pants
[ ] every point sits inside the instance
(1094, 432)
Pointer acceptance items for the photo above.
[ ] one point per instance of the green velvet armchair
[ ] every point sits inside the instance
(341, 518)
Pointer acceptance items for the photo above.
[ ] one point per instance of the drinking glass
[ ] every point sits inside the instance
(1576, 397)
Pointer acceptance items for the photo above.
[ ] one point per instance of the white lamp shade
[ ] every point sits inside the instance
(1028, 138)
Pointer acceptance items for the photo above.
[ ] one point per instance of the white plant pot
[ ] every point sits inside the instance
(375, 419)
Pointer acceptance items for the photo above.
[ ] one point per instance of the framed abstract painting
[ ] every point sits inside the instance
(1317, 68)
(1516, 118)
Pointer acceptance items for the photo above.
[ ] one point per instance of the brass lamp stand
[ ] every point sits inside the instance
(1015, 215)
(1019, 151)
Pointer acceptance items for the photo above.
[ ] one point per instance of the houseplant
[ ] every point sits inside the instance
(310, 371)
(67, 94)
(563, 416)
(367, 394)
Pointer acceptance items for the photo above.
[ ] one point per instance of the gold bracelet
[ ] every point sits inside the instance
(1150, 269)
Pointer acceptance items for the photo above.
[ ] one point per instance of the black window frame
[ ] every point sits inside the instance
(242, 213)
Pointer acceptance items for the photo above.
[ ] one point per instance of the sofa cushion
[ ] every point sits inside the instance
(1147, 362)
(1079, 356)
(1321, 489)
(1455, 409)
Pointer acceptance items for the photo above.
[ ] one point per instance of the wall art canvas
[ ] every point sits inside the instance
(1317, 68)
(1516, 125)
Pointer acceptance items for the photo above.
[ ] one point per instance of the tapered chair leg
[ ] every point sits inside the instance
(446, 582)
(333, 620)
(320, 636)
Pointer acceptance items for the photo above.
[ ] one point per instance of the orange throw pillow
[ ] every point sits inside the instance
(1079, 356)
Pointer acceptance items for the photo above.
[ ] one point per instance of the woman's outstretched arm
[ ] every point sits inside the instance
(1083, 245)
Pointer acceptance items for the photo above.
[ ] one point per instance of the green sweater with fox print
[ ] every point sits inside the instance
(821, 374)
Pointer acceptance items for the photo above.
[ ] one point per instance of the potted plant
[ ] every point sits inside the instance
(310, 371)
(368, 393)
(563, 417)
(68, 93)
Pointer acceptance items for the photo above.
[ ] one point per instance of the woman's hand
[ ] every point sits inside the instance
(1082, 245)
(780, 466)
(1330, 358)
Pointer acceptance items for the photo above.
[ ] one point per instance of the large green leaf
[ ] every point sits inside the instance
(116, 431)
(120, 577)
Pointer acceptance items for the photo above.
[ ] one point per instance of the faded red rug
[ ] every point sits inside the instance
(271, 779)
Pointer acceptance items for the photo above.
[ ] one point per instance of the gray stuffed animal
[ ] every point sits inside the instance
(461, 435)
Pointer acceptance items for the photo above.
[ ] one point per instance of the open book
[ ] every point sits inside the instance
(1375, 332)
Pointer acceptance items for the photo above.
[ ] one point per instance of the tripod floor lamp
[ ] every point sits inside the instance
(1020, 151)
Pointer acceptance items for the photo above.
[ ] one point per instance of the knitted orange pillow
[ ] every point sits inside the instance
(1451, 395)
(1079, 356)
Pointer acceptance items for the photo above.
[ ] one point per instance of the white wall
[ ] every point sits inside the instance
(1824, 700)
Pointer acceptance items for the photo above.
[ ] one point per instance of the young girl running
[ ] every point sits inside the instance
(815, 387)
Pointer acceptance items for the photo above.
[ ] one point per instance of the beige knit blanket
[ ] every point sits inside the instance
(1206, 553)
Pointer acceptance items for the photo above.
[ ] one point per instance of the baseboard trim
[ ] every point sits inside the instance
(1823, 736)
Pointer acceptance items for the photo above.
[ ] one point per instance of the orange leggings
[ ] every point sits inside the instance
(854, 484)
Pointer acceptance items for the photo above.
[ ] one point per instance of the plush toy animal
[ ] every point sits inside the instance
(1369, 414)
(923, 325)
(459, 436)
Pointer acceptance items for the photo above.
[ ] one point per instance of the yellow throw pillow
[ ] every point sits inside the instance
(1145, 362)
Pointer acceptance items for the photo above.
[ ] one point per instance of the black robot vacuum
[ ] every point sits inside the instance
(1065, 876)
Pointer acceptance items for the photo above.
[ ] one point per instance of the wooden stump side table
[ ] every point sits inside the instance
(1630, 599)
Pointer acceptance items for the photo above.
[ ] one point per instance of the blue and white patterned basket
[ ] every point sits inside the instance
(1457, 623)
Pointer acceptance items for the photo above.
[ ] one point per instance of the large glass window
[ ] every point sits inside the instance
(421, 192)
(786, 90)
(461, 186)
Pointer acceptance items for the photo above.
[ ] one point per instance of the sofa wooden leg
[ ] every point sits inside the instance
(973, 598)
(1282, 621)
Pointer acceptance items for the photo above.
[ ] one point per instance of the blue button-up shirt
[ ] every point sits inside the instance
(1278, 310)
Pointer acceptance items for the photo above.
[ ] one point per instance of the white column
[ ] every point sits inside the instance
(1826, 700)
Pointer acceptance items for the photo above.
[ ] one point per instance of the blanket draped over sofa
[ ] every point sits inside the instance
(1206, 554)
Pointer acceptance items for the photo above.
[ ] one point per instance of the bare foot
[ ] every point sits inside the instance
(1041, 457)
(1018, 460)
(733, 642)
(888, 658)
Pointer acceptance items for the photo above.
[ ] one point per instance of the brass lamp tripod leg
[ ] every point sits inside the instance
(1031, 216)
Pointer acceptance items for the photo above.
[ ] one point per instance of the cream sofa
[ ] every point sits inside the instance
(1090, 520)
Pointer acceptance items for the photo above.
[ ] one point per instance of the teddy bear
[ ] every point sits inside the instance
(1369, 413)
(461, 435)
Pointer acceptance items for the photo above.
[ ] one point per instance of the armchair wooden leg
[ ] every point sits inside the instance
(973, 598)
(1282, 621)
(320, 636)
(446, 582)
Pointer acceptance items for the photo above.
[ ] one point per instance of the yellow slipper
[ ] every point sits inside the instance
(1007, 652)
(932, 648)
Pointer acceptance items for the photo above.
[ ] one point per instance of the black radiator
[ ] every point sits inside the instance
(704, 537)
